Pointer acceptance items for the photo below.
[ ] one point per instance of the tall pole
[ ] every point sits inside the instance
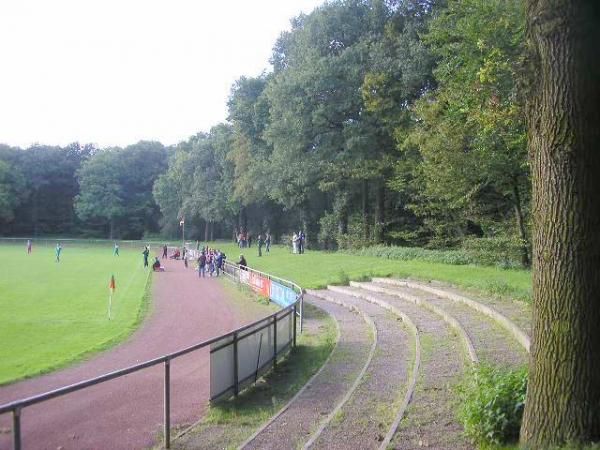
(182, 225)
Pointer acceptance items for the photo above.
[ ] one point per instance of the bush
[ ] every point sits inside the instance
(492, 405)
(455, 257)
(503, 251)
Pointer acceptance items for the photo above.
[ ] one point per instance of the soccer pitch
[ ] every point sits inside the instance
(54, 313)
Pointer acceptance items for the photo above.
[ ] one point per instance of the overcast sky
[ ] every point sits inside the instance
(113, 72)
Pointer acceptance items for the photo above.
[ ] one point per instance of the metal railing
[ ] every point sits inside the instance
(15, 407)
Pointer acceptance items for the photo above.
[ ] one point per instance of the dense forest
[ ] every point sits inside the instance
(382, 121)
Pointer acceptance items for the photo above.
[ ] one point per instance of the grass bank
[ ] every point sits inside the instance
(317, 269)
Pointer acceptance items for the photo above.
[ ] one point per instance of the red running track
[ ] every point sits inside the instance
(127, 413)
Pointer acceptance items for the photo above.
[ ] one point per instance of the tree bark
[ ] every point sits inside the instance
(206, 230)
(243, 220)
(212, 229)
(380, 213)
(521, 226)
(366, 210)
(563, 396)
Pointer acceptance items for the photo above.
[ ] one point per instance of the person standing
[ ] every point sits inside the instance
(202, 265)
(268, 242)
(58, 250)
(301, 238)
(146, 252)
(294, 243)
(116, 251)
(219, 263)
(29, 246)
(260, 242)
(164, 255)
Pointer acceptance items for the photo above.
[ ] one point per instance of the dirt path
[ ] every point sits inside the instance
(127, 413)
(365, 419)
(294, 427)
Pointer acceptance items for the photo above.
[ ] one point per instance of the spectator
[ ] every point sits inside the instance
(28, 246)
(164, 255)
(202, 265)
(268, 242)
(294, 243)
(260, 244)
(242, 263)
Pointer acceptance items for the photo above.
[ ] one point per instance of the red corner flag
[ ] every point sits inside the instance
(112, 285)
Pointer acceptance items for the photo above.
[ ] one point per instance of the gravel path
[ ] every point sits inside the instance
(366, 418)
(127, 413)
(294, 426)
(493, 344)
(430, 420)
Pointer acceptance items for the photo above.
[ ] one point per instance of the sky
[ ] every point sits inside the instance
(113, 72)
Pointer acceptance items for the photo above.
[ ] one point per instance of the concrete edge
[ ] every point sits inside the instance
(447, 317)
(417, 362)
(520, 336)
(302, 389)
(361, 374)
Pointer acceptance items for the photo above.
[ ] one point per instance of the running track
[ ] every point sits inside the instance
(126, 413)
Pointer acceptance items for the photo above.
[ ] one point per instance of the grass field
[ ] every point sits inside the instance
(316, 269)
(54, 313)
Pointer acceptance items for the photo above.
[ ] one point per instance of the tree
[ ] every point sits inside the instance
(116, 189)
(563, 396)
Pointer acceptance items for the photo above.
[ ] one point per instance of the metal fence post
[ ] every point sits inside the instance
(17, 429)
(236, 386)
(274, 341)
(301, 310)
(295, 308)
(167, 404)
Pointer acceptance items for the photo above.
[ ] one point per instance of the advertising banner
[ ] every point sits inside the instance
(244, 277)
(282, 295)
(260, 284)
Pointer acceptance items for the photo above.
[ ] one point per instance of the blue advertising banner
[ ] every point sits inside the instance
(282, 295)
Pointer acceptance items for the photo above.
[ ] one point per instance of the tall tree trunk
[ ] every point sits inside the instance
(243, 220)
(206, 230)
(521, 226)
(366, 210)
(563, 396)
(212, 229)
(112, 229)
(379, 213)
(343, 216)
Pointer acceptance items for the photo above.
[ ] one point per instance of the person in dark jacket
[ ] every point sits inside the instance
(202, 265)
(242, 263)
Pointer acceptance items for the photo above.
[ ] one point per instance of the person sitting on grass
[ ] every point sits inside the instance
(156, 265)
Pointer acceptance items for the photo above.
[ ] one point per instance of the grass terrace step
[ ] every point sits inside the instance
(430, 419)
(364, 421)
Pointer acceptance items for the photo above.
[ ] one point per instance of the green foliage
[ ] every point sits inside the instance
(116, 188)
(492, 405)
(503, 251)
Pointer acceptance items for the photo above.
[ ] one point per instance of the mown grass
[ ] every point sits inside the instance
(228, 423)
(52, 314)
(317, 269)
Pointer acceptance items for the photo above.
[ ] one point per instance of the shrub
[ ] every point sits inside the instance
(503, 251)
(492, 405)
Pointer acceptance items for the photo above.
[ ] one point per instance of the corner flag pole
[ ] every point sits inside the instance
(111, 288)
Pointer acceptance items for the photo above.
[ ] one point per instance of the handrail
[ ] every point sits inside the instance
(16, 406)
